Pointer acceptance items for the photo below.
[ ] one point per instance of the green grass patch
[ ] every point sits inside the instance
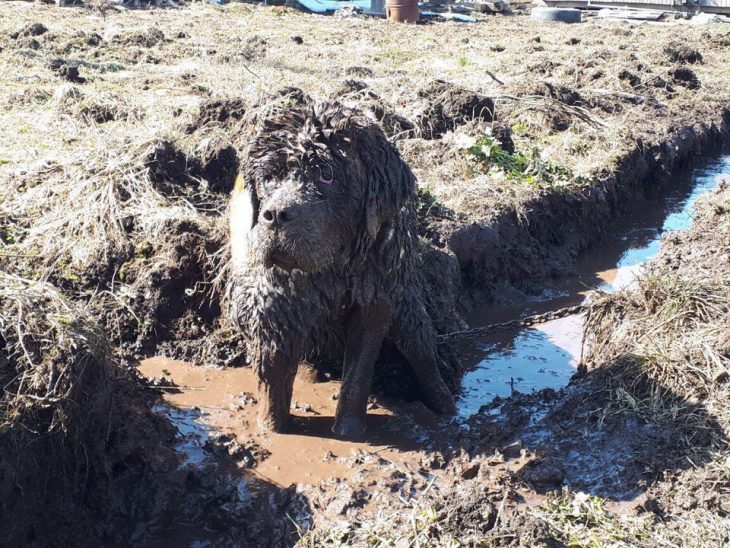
(581, 520)
(525, 167)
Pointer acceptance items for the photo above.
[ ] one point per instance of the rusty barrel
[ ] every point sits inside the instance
(402, 11)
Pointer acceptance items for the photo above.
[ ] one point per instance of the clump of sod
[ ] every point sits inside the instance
(57, 378)
(58, 408)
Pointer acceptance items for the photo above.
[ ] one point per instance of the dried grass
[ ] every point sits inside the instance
(673, 325)
(57, 377)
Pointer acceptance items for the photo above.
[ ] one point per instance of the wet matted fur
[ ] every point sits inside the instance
(324, 253)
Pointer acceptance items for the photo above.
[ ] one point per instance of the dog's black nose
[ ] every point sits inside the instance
(280, 217)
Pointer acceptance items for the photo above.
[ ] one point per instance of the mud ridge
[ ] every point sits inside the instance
(557, 225)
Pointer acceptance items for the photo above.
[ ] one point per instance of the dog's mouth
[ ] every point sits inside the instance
(277, 258)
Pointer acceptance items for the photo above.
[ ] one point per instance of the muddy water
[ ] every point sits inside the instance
(214, 401)
(210, 403)
(545, 356)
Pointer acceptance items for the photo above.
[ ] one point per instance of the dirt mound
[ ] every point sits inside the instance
(470, 510)
(175, 172)
(216, 161)
(64, 413)
(359, 94)
(218, 111)
(106, 110)
(169, 283)
(290, 96)
(682, 53)
(168, 167)
(443, 106)
(77, 438)
(33, 29)
(558, 92)
(685, 77)
(146, 38)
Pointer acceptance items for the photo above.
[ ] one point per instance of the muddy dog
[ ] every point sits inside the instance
(324, 248)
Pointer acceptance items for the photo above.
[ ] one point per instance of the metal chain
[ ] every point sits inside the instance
(527, 321)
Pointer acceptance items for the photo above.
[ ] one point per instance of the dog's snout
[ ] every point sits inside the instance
(279, 217)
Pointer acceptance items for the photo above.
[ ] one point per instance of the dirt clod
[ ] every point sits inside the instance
(446, 106)
(632, 79)
(216, 160)
(147, 38)
(683, 53)
(254, 48)
(167, 163)
(685, 77)
(34, 29)
(218, 111)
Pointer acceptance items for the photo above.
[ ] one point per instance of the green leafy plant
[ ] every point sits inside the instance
(527, 167)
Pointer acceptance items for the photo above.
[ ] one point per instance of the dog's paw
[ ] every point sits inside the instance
(441, 401)
(269, 423)
(349, 427)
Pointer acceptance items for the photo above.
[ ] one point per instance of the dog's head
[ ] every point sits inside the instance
(319, 184)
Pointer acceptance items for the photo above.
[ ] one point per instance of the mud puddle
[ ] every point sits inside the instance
(214, 411)
(214, 403)
(546, 355)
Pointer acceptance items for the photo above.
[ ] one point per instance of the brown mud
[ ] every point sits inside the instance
(520, 449)
(150, 141)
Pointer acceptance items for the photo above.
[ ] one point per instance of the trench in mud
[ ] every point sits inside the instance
(215, 405)
(546, 355)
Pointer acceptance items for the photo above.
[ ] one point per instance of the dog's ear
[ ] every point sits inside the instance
(390, 183)
(243, 215)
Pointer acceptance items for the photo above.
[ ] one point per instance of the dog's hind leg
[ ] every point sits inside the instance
(414, 335)
(366, 329)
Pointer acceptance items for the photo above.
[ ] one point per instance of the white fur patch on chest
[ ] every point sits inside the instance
(241, 221)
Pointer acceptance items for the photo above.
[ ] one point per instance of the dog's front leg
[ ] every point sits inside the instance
(275, 372)
(366, 329)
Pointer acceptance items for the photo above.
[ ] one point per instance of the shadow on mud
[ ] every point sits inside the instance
(610, 433)
(207, 493)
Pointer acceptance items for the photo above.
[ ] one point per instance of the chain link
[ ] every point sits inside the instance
(527, 321)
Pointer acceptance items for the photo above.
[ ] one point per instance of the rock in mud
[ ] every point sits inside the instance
(543, 474)
(227, 447)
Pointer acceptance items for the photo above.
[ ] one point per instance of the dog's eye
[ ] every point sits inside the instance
(324, 176)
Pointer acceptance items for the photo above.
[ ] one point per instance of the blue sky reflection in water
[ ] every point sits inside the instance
(545, 356)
